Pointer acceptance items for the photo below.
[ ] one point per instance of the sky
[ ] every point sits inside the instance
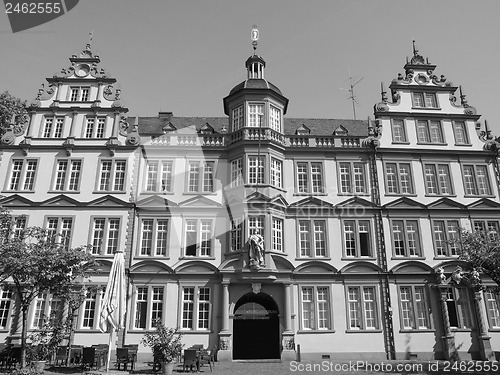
(184, 56)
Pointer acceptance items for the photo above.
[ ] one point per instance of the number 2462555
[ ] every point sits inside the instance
(33, 8)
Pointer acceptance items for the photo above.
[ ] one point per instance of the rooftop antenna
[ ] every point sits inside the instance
(351, 96)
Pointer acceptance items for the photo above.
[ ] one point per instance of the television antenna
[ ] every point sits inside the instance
(351, 96)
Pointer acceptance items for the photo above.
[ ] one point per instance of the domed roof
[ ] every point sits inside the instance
(255, 83)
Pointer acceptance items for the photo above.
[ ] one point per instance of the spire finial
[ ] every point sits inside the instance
(463, 101)
(91, 36)
(415, 50)
(383, 92)
(254, 35)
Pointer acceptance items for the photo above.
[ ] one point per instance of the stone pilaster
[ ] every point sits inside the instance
(449, 349)
(486, 352)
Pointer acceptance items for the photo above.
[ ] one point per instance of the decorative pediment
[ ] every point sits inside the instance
(279, 200)
(199, 201)
(311, 202)
(360, 267)
(16, 201)
(315, 267)
(405, 203)
(231, 264)
(150, 266)
(282, 264)
(196, 267)
(168, 127)
(108, 201)
(484, 203)
(155, 202)
(446, 203)
(207, 129)
(355, 202)
(302, 130)
(412, 267)
(256, 197)
(61, 201)
(340, 130)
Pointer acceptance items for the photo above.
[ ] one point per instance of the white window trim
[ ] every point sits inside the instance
(22, 177)
(149, 306)
(316, 328)
(196, 304)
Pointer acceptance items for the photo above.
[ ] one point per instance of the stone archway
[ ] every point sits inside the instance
(256, 328)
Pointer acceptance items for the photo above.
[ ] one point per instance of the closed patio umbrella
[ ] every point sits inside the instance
(113, 305)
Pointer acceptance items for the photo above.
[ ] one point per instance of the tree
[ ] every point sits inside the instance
(10, 105)
(33, 261)
(481, 250)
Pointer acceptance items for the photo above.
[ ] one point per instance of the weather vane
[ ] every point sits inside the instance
(254, 36)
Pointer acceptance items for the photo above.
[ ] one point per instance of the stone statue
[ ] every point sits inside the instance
(256, 251)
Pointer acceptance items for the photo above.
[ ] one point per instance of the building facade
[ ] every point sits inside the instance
(263, 235)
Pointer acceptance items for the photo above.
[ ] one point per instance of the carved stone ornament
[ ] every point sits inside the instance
(8, 138)
(123, 126)
(224, 343)
(289, 343)
(381, 107)
(492, 145)
(133, 139)
(256, 287)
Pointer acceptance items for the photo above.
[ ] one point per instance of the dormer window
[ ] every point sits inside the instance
(255, 113)
(79, 94)
(424, 100)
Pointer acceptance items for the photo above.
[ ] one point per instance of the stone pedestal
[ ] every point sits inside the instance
(288, 344)
(224, 354)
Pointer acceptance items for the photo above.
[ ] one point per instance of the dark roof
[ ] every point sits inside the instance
(255, 83)
(325, 127)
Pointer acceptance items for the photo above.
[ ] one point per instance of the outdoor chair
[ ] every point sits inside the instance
(122, 358)
(190, 360)
(204, 359)
(213, 353)
(90, 358)
(14, 356)
(4, 355)
(61, 355)
(75, 354)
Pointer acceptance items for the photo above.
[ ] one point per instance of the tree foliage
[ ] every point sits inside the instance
(481, 250)
(33, 262)
(10, 105)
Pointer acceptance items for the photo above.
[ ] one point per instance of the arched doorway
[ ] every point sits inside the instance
(256, 332)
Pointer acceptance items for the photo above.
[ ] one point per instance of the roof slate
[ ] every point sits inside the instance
(323, 127)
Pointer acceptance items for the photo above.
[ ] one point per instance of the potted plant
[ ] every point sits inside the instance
(165, 344)
(38, 355)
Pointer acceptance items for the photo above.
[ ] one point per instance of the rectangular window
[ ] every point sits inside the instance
(153, 241)
(198, 240)
(429, 131)
(316, 310)
(459, 308)
(488, 226)
(309, 177)
(476, 180)
(406, 238)
(460, 131)
(277, 235)
(352, 178)
(362, 308)
(236, 234)
(413, 306)
(148, 306)
(357, 238)
(112, 175)
(398, 178)
(398, 131)
(196, 308)
(58, 230)
(105, 235)
(275, 118)
(446, 234)
(51, 130)
(201, 176)
(312, 238)
(276, 173)
(492, 301)
(256, 170)
(67, 176)
(238, 118)
(79, 94)
(159, 176)
(95, 127)
(424, 100)
(236, 172)
(6, 302)
(438, 179)
(22, 174)
(255, 114)
(91, 308)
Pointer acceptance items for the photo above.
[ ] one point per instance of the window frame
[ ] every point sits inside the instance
(42, 308)
(195, 312)
(96, 129)
(151, 313)
(113, 176)
(95, 310)
(277, 234)
(399, 181)
(312, 186)
(316, 328)
(80, 92)
(200, 173)
(237, 118)
(67, 175)
(276, 174)
(361, 308)
(492, 302)
(357, 249)
(353, 186)
(413, 308)
(161, 171)
(199, 238)
(56, 130)
(58, 232)
(275, 118)
(403, 131)
(429, 133)
(22, 175)
(425, 95)
(259, 169)
(438, 180)
(465, 133)
(154, 237)
(236, 172)
(404, 232)
(255, 119)
(7, 305)
(311, 239)
(105, 240)
(474, 175)
(447, 237)
(236, 242)
(459, 310)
